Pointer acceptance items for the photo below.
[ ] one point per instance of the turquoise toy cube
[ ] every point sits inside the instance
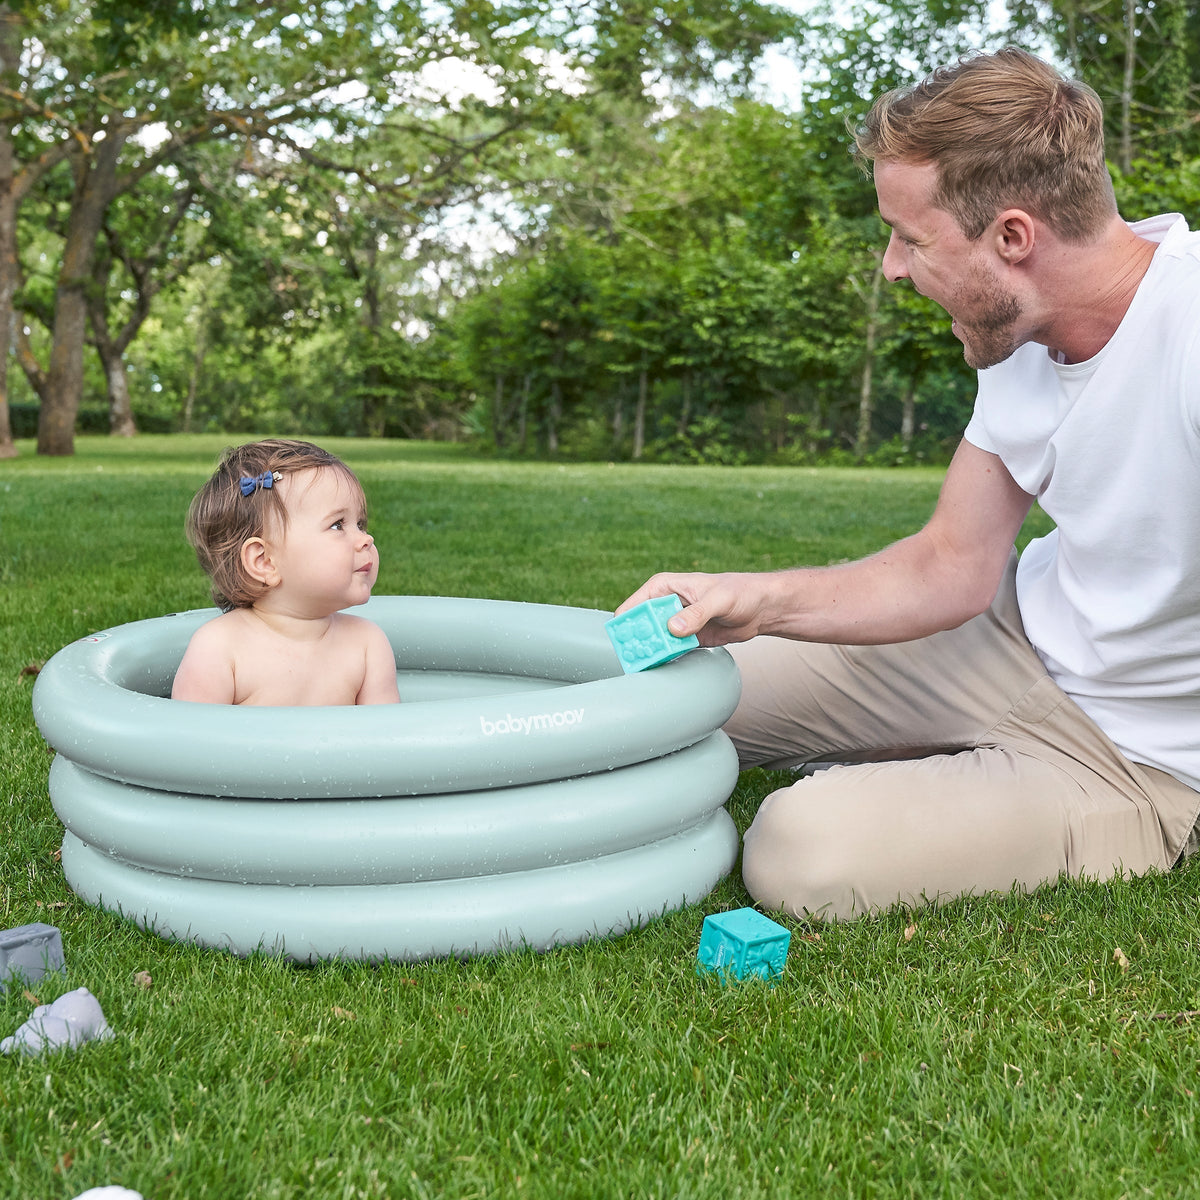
(641, 637)
(742, 943)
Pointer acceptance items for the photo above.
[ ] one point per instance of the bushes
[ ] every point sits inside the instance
(90, 419)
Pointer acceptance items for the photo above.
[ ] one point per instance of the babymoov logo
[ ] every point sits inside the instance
(537, 724)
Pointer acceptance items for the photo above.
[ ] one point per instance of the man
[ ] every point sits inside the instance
(1000, 723)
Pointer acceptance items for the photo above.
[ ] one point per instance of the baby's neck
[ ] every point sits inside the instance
(289, 658)
(296, 627)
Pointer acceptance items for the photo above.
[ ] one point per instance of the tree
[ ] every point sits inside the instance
(113, 103)
(10, 49)
(114, 99)
(1142, 57)
(117, 104)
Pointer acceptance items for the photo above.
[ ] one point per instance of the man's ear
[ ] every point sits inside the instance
(258, 563)
(1014, 234)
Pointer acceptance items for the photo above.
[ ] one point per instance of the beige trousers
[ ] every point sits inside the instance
(969, 771)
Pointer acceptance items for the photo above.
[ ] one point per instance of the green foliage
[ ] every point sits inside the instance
(723, 315)
(589, 241)
(1157, 184)
(124, 31)
(1142, 60)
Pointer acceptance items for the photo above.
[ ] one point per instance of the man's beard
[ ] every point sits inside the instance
(988, 336)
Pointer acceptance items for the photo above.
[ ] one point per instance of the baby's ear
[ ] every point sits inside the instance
(258, 563)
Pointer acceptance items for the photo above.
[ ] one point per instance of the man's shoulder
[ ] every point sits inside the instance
(1173, 236)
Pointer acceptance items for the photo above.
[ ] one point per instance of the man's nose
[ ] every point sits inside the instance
(894, 268)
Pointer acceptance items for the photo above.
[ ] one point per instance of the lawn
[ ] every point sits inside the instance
(1028, 1045)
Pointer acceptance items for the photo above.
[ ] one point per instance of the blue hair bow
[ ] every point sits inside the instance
(250, 484)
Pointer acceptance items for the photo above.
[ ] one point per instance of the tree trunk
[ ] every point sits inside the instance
(685, 408)
(8, 448)
(908, 417)
(552, 416)
(1125, 159)
(639, 415)
(120, 411)
(198, 353)
(775, 433)
(618, 421)
(95, 185)
(523, 414)
(10, 46)
(111, 352)
(814, 425)
(866, 403)
(498, 416)
(375, 404)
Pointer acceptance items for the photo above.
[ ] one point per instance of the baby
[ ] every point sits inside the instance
(281, 530)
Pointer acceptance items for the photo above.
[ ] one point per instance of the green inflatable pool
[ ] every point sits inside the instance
(526, 792)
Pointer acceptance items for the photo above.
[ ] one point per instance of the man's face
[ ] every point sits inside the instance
(928, 247)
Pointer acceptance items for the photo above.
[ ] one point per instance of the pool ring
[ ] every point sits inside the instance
(526, 791)
(97, 699)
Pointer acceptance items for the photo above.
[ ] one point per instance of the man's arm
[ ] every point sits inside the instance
(936, 579)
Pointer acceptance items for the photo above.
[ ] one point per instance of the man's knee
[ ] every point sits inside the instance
(799, 858)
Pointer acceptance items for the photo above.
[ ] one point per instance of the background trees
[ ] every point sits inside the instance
(561, 228)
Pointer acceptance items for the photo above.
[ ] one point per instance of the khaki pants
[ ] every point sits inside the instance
(970, 771)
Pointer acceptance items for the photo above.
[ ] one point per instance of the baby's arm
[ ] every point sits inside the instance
(206, 673)
(379, 675)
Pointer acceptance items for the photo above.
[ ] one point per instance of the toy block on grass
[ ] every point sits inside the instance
(29, 951)
(641, 637)
(742, 943)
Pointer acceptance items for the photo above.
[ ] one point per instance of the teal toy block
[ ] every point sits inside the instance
(28, 952)
(742, 943)
(641, 637)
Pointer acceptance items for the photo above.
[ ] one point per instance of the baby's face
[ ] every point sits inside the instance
(326, 558)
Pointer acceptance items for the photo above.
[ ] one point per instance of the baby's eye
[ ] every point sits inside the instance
(339, 525)
(362, 524)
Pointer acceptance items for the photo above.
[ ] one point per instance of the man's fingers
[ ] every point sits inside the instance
(709, 605)
(690, 621)
(655, 586)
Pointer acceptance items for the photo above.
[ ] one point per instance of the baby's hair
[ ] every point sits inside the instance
(224, 514)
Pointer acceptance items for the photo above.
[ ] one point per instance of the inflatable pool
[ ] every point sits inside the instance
(526, 792)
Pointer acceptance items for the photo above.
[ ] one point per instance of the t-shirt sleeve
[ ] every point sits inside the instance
(976, 432)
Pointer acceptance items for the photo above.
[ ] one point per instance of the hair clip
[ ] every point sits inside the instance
(266, 480)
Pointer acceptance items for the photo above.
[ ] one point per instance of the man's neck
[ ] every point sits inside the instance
(1091, 291)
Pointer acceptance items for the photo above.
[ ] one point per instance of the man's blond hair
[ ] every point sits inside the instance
(1003, 130)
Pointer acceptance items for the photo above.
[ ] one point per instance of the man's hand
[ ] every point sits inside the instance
(718, 609)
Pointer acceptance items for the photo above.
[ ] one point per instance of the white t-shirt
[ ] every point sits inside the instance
(1111, 449)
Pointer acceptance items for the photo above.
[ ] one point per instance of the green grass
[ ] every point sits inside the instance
(995, 1047)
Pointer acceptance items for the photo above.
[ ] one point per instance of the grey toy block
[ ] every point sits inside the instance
(29, 952)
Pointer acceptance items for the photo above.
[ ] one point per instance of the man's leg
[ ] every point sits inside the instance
(1002, 779)
(856, 839)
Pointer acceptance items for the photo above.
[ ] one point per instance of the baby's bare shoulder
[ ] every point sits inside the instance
(357, 629)
(221, 631)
